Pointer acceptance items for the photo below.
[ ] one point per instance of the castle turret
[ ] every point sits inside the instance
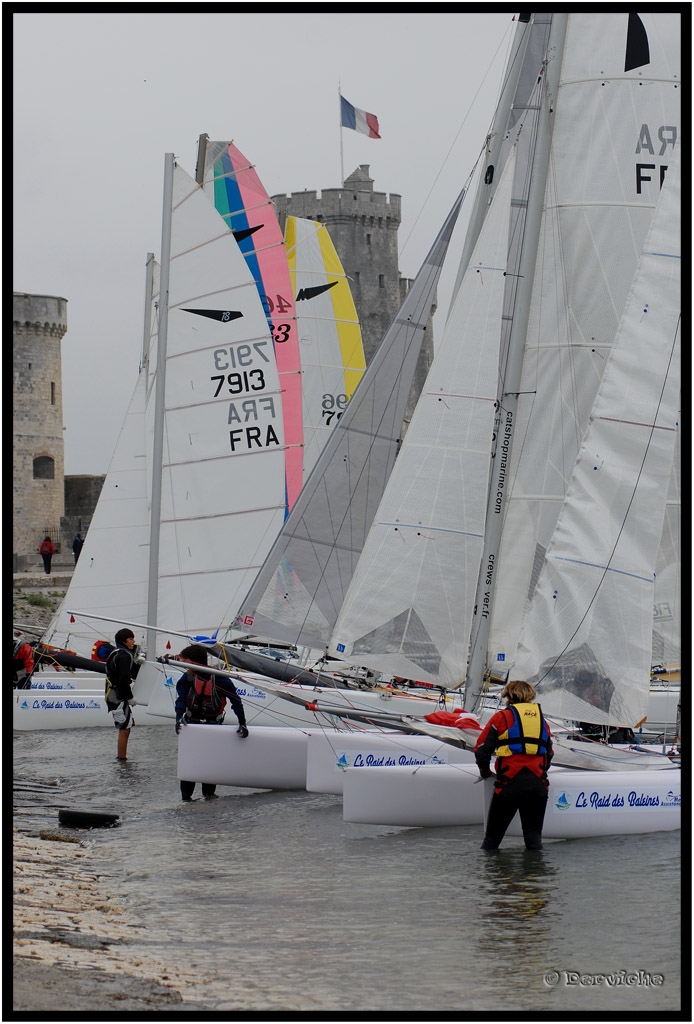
(39, 323)
(363, 226)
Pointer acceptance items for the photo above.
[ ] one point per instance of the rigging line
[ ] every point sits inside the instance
(626, 514)
(471, 107)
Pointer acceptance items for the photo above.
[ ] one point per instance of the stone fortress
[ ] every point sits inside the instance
(363, 225)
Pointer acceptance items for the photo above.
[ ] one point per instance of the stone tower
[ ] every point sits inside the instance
(363, 226)
(38, 325)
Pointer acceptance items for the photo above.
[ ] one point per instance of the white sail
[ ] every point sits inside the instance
(300, 589)
(409, 607)
(613, 137)
(223, 491)
(330, 344)
(110, 578)
(586, 643)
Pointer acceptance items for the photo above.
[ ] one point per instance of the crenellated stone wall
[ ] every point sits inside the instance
(363, 226)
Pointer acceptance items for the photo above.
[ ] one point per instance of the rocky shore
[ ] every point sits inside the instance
(76, 947)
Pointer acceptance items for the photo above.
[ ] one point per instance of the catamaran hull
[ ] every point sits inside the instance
(581, 803)
(331, 753)
(269, 758)
(289, 758)
(68, 709)
(441, 794)
(54, 680)
(59, 709)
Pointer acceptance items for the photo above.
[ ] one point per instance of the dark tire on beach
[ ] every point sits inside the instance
(86, 819)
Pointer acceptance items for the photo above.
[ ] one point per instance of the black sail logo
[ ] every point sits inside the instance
(637, 52)
(223, 315)
(310, 293)
(242, 233)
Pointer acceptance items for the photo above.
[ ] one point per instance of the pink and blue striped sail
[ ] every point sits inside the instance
(240, 198)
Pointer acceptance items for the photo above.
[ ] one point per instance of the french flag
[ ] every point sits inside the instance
(359, 120)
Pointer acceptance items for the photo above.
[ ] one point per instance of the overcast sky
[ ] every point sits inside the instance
(100, 98)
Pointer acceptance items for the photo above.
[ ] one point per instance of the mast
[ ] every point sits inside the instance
(529, 202)
(159, 406)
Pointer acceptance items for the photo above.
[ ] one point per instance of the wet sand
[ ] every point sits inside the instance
(76, 946)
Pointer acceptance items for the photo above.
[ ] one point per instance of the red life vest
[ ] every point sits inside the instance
(204, 701)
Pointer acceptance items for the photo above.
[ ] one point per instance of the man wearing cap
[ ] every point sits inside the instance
(122, 667)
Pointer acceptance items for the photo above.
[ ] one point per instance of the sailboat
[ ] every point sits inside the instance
(111, 584)
(454, 580)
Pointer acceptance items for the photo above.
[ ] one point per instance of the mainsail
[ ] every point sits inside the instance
(330, 344)
(221, 451)
(586, 642)
(409, 607)
(233, 185)
(301, 587)
(613, 137)
(110, 578)
(222, 483)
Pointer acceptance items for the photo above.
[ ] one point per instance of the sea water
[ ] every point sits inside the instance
(310, 912)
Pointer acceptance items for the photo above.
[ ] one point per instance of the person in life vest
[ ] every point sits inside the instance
(23, 662)
(122, 667)
(201, 699)
(520, 737)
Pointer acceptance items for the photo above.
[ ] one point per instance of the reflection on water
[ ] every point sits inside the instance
(310, 912)
(521, 893)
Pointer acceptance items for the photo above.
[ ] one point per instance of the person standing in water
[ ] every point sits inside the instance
(520, 737)
(201, 699)
(122, 667)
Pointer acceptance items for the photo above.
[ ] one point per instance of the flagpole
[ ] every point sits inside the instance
(342, 159)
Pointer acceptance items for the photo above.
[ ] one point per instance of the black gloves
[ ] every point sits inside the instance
(242, 731)
(177, 726)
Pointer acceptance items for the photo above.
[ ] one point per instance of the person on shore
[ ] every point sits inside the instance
(77, 547)
(47, 550)
(520, 737)
(122, 667)
(201, 699)
(23, 662)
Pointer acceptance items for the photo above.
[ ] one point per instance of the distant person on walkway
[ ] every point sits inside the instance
(201, 698)
(47, 551)
(77, 547)
(23, 662)
(520, 737)
(122, 667)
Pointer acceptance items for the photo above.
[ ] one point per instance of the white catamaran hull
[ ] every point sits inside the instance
(581, 803)
(68, 709)
(441, 794)
(54, 680)
(330, 754)
(273, 758)
(289, 758)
